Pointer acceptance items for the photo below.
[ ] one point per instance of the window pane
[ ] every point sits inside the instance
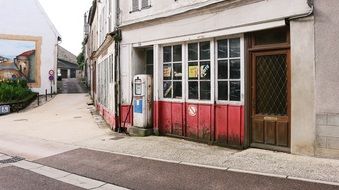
(167, 72)
(235, 47)
(144, 3)
(272, 36)
(205, 90)
(177, 71)
(192, 90)
(167, 54)
(167, 89)
(193, 71)
(205, 70)
(135, 5)
(177, 90)
(149, 57)
(177, 53)
(223, 69)
(222, 49)
(192, 52)
(204, 50)
(235, 90)
(222, 90)
(149, 70)
(235, 69)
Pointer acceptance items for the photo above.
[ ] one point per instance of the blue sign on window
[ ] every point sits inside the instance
(137, 106)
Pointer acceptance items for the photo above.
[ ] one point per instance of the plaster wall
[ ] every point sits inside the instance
(33, 22)
(302, 86)
(327, 83)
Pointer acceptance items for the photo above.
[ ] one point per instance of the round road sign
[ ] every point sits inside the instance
(51, 72)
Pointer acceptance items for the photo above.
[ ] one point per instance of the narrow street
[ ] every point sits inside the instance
(71, 85)
(72, 148)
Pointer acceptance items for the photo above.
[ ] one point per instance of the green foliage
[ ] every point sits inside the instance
(12, 90)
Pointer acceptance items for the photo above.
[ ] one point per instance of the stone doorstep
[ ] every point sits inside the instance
(140, 132)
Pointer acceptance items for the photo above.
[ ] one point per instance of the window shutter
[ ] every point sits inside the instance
(144, 3)
(135, 5)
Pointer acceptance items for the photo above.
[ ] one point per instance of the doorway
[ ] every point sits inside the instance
(270, 90)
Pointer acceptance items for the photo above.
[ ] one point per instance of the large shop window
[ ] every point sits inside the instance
(229, 70)
(172, 72)
(199, 71)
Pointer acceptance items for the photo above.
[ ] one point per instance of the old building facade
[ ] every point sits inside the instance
(28, 51)
(239, 73)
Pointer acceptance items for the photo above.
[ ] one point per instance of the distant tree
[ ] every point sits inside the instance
(81, 58)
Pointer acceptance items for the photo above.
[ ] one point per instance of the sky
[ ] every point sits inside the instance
(68, 18)
(12, 48)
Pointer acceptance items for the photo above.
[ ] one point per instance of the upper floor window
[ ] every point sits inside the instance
(140, 4)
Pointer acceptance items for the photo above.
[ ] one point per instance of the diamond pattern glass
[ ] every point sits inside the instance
(271, 85)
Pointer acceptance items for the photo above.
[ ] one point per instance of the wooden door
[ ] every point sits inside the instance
(270, 100)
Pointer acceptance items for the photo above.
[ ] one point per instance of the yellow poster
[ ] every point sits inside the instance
(193, 71)
(167, 71)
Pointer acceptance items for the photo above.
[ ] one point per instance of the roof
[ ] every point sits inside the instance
(62, 64)
(27, 53)
(66, 55)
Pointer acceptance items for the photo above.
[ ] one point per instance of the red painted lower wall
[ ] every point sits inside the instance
(107, 115)
(222, 124)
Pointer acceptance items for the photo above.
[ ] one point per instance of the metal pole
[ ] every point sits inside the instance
(46, 94)
(51, 91)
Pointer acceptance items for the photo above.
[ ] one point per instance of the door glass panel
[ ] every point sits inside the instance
(177, 53)
(167, 54)
(204, 50)
(223, 69)
(271, 84)
(223, 90)
(177, 90)
(177, 71)
(192, 51)
(205, 70)
(235, 69)
(235, 90)
(272, 36)
(193, 90)
(222, 49)
(167, 89)
(205, 90)
(235, 47)
(167, 71)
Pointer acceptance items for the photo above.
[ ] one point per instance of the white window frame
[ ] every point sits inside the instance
(242, 71)
(161, 78)
(212, 77)
(139, 6)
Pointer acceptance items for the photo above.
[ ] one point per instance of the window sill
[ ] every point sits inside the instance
(142, 8)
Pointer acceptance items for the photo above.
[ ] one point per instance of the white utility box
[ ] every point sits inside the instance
(142, 104)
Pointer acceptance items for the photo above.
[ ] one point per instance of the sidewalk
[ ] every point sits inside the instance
(66, 123)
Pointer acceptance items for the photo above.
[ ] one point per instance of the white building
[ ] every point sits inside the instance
(26, 26)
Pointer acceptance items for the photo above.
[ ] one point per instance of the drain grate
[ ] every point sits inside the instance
(21, 120)
(11, 160)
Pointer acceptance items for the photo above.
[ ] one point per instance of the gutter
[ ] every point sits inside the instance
(310, 3)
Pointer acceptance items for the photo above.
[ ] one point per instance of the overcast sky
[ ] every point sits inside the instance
(68, 18)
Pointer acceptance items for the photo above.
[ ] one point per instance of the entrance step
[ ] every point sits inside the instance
(140, 132)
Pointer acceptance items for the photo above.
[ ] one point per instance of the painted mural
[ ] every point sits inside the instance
(17, 60)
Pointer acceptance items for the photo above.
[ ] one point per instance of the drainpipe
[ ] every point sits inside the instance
(117, 40)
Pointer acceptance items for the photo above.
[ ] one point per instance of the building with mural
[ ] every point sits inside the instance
(233, 73)
(29, 51)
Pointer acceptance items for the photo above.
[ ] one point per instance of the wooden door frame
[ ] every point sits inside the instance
(251, 51)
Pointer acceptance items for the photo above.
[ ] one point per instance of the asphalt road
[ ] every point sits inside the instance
(144, 174)
(13, 178)
(70, 86)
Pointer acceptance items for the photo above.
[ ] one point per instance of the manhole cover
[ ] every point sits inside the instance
(11, 160)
